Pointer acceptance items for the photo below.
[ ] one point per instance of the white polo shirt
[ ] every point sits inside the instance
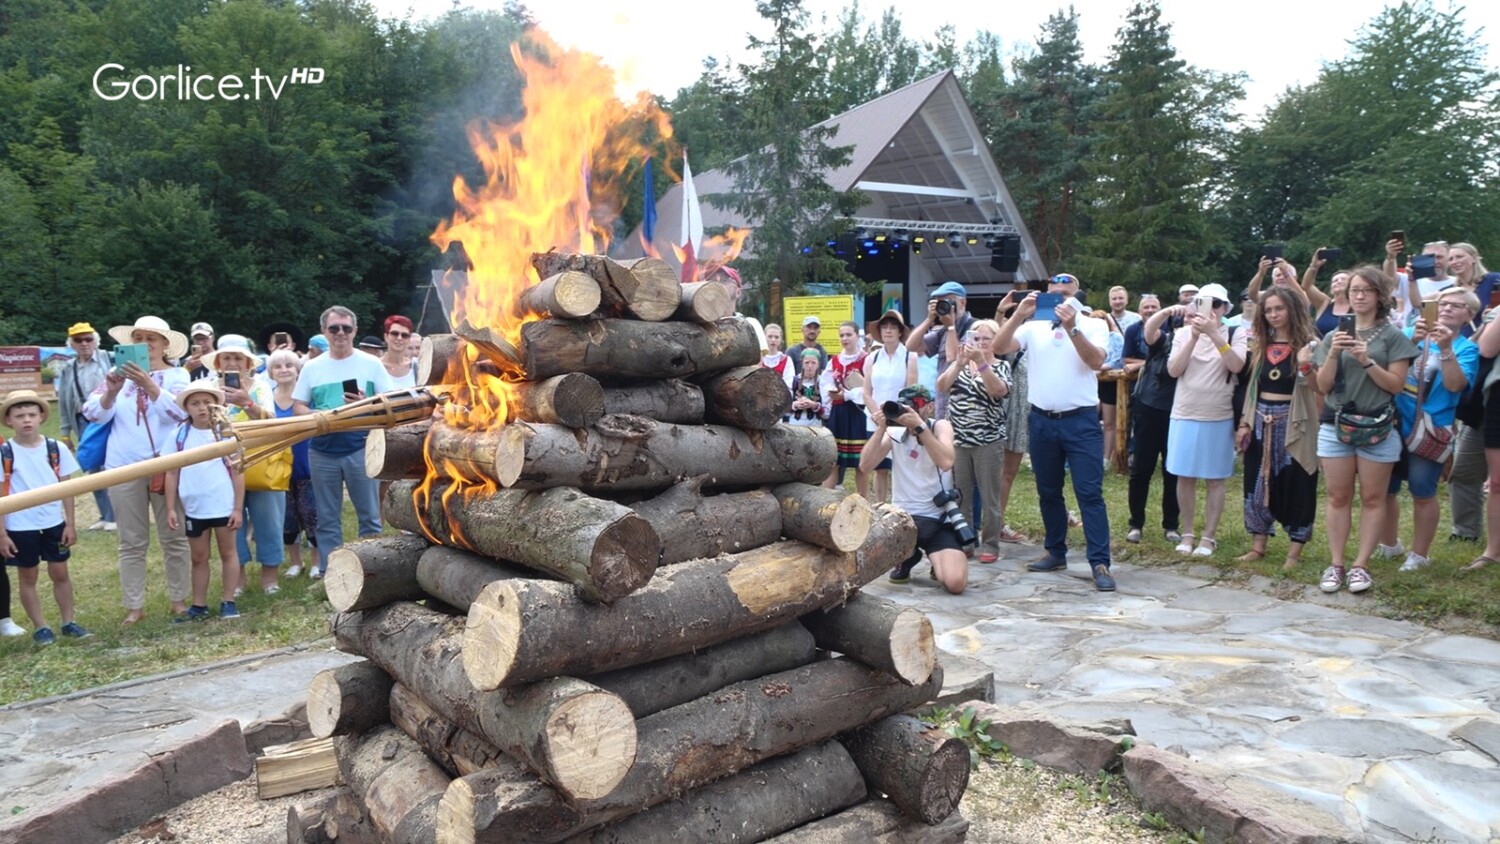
(1057, 379)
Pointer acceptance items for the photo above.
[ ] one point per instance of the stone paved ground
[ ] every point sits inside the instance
(1391, 727)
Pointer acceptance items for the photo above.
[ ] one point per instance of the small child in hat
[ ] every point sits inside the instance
(208, 498)
(46, 531)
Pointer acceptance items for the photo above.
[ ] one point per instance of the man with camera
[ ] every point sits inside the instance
(1065, 355)
(948, 320)
(921, 453)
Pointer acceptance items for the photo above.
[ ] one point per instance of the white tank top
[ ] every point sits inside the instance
(915, 479)
(886, 376)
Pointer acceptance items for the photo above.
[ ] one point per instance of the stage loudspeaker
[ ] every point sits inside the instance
(1007, 256)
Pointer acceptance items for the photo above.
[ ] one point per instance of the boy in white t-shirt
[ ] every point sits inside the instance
(207, 498)
(46, 531)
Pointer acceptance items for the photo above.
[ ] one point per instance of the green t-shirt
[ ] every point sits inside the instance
(1359, 393)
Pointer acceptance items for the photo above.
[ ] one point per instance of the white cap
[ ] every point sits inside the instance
(811, 320)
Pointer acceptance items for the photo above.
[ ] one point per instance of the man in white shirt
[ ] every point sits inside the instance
(335, 461)
(1064, 357)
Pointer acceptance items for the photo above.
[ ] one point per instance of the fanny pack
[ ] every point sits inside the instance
(1363, 430)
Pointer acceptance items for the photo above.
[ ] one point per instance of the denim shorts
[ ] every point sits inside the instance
(1387, 450)
(1420, 474)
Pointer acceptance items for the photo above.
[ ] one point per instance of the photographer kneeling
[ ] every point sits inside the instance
(921, 453)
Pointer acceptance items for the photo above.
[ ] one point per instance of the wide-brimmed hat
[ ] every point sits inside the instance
(202, 385)
(229, 344)
(299, 337)
(177, 342)
(1214, 291)
(15, 397)
(894, 316)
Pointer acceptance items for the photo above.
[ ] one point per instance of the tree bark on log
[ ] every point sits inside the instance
(835, 519)
(568, 294)
(922, 769)
(876, 822)
(456, 577)
(623, 453)
(604, 549)
(758, 802)
(520, 630)
(436, 357)
(395, 453)
(898, 640)
(397, 784)
(348, 699)
(751, 397)
(704, 302)
(692, 526)
(669, 400)
(685, 747)
(371, 572)
(575, 735)
(574, 400)
(644, 287)
(457, 750)
(650, 688)
(619, 348)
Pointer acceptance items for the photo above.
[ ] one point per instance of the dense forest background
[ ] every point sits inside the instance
(1138, 171)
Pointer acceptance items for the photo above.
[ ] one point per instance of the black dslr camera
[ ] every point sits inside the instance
(948, 500)
(944, 307)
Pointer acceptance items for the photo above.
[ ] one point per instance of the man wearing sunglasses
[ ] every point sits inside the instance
(1064, 356)
(343, 375)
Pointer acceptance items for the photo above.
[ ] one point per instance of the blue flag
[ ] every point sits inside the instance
(648, 221)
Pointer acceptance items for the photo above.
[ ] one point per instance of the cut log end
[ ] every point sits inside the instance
(913, 649)
(510, 455)
(943, 788)
(324, 704)
(375, 452)
(455, 815)
(344, 579)
(851, 523)
(618, 555)
(492, 636)
(594, 741)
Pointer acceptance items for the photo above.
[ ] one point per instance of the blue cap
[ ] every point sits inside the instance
(949, 288)
(318, 342)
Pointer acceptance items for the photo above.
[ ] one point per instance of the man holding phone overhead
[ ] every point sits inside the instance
(326, 382)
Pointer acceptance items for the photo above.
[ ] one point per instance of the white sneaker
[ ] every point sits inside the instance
(1390, 552)
(109, 526)
(316, 574)
(293, 571)
(1414, 561)
(99, 525)
(239, 592)
(10, 628)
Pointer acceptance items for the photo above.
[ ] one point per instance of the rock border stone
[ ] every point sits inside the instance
(121, 803)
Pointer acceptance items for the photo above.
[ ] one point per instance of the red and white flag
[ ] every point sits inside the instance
(692, 224)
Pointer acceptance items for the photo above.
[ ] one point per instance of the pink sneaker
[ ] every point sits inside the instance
(1333, 578)
(1359, 580)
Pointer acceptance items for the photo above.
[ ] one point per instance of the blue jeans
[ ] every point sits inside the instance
(106, 509)
(1074, 445)
(330, 474)
(265, 512)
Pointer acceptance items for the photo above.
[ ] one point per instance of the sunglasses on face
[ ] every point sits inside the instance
(399, 335)
(81, 339)
(340, 329)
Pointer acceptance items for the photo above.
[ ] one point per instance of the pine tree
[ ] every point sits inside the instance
(1156, 136)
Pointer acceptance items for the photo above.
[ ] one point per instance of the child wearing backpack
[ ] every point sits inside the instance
(46, 531)
(208, 499)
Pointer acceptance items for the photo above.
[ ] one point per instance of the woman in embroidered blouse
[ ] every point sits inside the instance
(1278, 434)
(141, 408)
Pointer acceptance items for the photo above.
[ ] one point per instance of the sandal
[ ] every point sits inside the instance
(1480, 562)
(1186, 545)
(1291, 564)
(1250, 556)
(132, 617)
(1206, 547)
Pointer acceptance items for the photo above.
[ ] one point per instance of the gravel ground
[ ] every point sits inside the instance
(1007, 802)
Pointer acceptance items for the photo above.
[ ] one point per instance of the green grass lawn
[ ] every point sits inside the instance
(300, 612)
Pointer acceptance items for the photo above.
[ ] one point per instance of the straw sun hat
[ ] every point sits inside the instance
(177, 342)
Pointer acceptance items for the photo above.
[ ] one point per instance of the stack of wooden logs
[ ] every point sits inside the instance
(628, 598)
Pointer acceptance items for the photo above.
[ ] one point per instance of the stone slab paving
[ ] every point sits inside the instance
(1390, 727)
(52, 748)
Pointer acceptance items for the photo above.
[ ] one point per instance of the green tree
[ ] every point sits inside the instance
(863, 64)
(780, 186)
(1152, 162)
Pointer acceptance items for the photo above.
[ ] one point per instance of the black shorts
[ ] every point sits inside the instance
(1109, 393)
(936, 535)
(33, 546)
(198, 527)
(1492, 420)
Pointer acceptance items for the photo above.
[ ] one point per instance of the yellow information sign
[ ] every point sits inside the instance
(830, 311)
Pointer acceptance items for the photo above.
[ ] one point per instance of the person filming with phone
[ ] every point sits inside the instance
(327, 382)
(1065, 354)
(921, 453)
